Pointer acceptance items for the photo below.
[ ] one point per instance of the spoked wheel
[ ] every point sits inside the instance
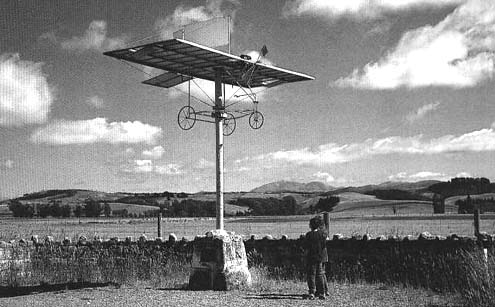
(186, 118)
(256, 120)
(229, 124)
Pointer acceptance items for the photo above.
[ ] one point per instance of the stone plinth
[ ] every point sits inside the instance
(219, 262)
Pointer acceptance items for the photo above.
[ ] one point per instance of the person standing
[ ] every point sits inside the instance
(325, 261)
(315, 248)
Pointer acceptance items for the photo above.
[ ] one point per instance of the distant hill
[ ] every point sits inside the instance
(418, 187)
(132, 202)
(69, 196)
(292, 186)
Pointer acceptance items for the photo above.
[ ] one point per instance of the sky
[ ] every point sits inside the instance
(403, 91)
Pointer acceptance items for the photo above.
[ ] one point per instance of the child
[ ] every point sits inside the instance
(315, 248)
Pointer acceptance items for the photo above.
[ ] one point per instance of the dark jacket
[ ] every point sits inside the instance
(316, 246)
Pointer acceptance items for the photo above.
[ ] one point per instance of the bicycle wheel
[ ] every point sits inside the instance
(256, 120)
(229, 124)
(186, 117)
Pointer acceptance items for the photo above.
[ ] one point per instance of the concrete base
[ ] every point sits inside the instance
(219, 262)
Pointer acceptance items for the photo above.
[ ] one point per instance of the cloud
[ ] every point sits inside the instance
(98, 130)
(359, 9)
(25, 94)
(426, 174)
(324, 176)
(457, 52)
(422, 111)
(186, 15)
(154, 153)
(204, 90)
(95, 101)
(169, 169)
(94, 39)
(423, 175)
(147, 166)
(463, 174)
(327, 154)
(205, 164)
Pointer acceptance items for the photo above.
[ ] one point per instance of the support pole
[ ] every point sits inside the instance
(219, 113)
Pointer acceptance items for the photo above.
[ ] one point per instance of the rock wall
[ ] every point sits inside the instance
(431, 262)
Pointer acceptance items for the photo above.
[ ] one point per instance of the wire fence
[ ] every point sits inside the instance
(293, 227)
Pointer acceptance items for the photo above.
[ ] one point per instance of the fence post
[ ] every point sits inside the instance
(326, 219)
(476, 221)
(160, 223)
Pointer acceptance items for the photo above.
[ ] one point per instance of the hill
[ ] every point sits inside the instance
(292, 186)
(416, 187)
(378, 199)
(135, 203)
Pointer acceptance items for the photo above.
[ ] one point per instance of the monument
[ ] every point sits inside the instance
(219, 260)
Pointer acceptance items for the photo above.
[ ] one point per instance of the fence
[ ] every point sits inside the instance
(430, 262)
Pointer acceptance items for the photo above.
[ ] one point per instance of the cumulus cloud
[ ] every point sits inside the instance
(154, 153)
(457, 52)
(169, 169)
(98, 130)
(147, 166)
(205, 164)
(25, 94)
(95, 38)
(327, 154)
(203, 90)
(186, 15)
(422, 111)
(324, 176)
(360, 9)
(423, 175)
(426, 174)
(463, 174)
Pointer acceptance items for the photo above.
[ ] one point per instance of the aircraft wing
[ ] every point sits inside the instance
(184, 60)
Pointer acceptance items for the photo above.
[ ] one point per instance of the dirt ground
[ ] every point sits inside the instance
(288, 295)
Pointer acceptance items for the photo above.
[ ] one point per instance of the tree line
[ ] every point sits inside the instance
(462, 186)
(467, 205)
(184, 208)
(90, 208)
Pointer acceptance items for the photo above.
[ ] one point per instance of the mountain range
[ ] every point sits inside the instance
(283, 186)
(316, 186)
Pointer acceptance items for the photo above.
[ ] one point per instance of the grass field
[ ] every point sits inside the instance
(293, 226)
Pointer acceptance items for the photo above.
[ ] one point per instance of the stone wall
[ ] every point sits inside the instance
(34, 262)
(431, 262)
(427, 261)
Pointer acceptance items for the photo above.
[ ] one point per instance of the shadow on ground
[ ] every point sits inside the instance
(18, 291)
(276, 296)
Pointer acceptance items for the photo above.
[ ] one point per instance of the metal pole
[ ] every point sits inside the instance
(228, 29)
(219, 112)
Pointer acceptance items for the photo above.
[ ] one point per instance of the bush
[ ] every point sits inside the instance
(325, 204)
(270, 206)
(92, 208)
(65, 211)
(21, 210)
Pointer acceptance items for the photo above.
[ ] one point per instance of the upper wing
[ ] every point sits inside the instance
(185, 60)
